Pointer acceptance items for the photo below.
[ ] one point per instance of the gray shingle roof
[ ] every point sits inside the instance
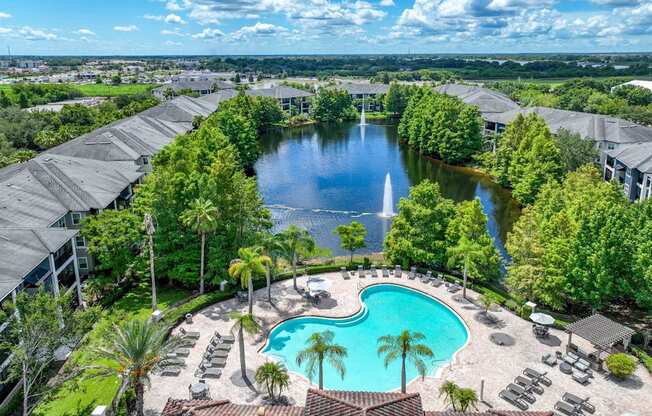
(594, 126)
(635, 156)
(23, 249)
(197, 85)
(364, 88)
(279, 92)
(488, 101)
(600, 330)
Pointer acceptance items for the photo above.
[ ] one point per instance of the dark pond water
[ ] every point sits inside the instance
(321, 176)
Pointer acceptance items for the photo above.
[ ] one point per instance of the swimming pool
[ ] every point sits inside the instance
(387, 310)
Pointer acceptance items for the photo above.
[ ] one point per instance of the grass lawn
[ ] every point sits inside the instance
(99, 90)
(79, 397)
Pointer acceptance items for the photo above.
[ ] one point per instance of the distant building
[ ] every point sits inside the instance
(290, 99)
(58, 106)
(367, 93)
(198, 87)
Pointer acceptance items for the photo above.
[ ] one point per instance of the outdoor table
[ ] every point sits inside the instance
(198, 390)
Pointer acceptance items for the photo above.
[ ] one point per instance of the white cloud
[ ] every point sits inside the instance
(174, 32)
(172, 43)
(259, 29)
(387, 3)
(4, 15)
(129, 28)
(173, 18)
(173, 6)
(30, 33)
(208, 33)
(86, 32)
(158, 18)
(5, 30)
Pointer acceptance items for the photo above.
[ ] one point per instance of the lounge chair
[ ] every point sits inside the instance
(513, 398)
(583, 365)
(398, 272)
(373, 271)
(218, 346)
(581, 377)
(228, 339)
(537, 376)
(425, 278)
(214, 362)
(209, 372)
(344, 273)
(182, 352)
(429, 274)
(435, 281)
(529, 383)
(187, 343)
(360, 271)
(549, 359)
(567, 409)
(454, 288)
(385, 271)
(216, 354)
(242, 296)
(191, 335)
(522, 392)
(174, 362)
(413, 273)
(579, 402)
(171, 372)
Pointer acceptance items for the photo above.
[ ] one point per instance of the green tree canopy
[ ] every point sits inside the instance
(332, 105)
(351, 236)
(574, 150)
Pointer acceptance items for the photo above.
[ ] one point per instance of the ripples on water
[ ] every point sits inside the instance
(318, 177)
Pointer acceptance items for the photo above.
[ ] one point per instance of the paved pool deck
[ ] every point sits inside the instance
(480, 359)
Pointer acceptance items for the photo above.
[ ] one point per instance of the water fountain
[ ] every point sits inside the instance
(388, 198)
(363, 119)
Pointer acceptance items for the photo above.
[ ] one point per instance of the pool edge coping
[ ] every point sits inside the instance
(437, 374)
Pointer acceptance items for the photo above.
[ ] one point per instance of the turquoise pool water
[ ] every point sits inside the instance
(388, 310)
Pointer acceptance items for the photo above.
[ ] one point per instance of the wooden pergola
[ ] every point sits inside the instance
(600, 331)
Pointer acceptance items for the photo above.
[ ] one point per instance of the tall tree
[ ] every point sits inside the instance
(271, 246)
(37, 325)
(574, 150)
(408, 347)
(321, 346)
(351, 236)
(332, 105)
(134, 350)
(243, 323)
(201, 217)
(274, 377)
(249, 265)
(296, 243)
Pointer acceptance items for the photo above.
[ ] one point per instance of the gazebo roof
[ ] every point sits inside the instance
(600, 330)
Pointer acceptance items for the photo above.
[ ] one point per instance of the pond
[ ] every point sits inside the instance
(320, 176)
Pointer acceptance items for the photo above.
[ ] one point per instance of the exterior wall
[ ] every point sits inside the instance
(637, 186)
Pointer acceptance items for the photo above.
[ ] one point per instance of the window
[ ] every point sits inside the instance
(83, 263)
(611, 146)
(80, 241)
(61, 223)
(145, 161)
(76, 218)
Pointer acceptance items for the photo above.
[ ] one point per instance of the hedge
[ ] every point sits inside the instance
(645, 359)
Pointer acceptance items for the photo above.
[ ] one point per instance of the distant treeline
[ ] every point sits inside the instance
(465, 68)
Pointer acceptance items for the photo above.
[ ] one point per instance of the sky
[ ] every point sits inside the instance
(219, 27)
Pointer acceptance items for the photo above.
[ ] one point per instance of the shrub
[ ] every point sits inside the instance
(511, 305)
(645, 358)
(525, 312)
(621, 365)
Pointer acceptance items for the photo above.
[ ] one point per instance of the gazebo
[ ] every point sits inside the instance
(600, 331)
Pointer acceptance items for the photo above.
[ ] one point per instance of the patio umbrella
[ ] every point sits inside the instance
(317, 284)
(542, 318)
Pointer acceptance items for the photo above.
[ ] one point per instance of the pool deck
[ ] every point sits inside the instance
(479, 359)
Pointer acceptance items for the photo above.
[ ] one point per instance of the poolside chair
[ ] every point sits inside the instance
(216, 354)
(191, 335)
(344, 273)
(583, 365)
(187, 343)
(208, 372)
(549, 359)
(529, 383)
(538, 377)
(385, 271)
(213, 362)
(174, 362)
(425, 278)
(360, 271)
(567, 409)
(219, 346)
(182, 352)
(522, 392)
(454, 288)
(435, 281)
(170, 372)
(373, 271)
(413, 273)
(581, 377)
(513, 398)
(229, 339)
(242, 296)
(429, 274)
(398, 272)
(579, 402)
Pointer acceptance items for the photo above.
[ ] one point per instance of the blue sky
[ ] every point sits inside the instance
(132, 27)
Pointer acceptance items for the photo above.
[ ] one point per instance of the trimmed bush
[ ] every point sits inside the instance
(621, 365)
(646, 360)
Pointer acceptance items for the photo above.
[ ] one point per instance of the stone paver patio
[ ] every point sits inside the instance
(480, 359)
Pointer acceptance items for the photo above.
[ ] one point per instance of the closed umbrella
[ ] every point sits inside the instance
(542, 318)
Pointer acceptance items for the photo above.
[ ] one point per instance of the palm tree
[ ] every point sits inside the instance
(468, 252)
(274, 377)
(466, 398)
(295, 242)
(449, 390)
(201, 217)
(272, 247)
(487, 301)
(135, 349)
(406, 345)
(243, 323)
(249, 264)
(320, 347)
